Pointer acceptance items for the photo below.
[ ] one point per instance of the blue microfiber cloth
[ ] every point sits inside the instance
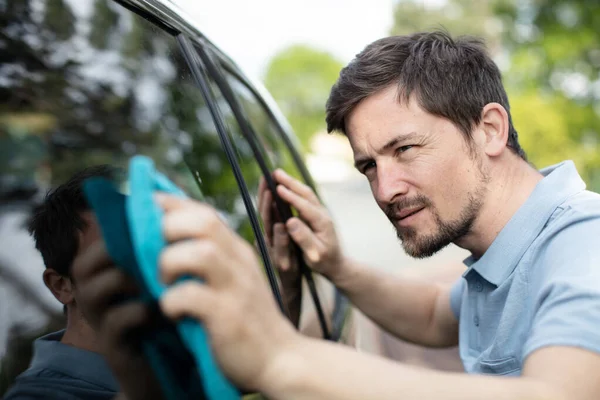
(131, 226)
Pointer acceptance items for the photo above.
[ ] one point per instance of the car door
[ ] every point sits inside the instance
(90, 82)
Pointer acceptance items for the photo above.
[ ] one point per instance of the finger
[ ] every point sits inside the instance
(305, 238)
(188, 298)
(310, 212)
(199, 258)
(169, 202)
(262, 184)
(103, 290)
(281, 242)
(265, 212)
(296, 186)
(192, 221)
(93, 260)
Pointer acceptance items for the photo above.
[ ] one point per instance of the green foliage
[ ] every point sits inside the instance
(59, 19)
(104, 22)
(550, 52)
(300, 79)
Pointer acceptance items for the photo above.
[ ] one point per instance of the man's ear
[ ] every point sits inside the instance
(494, 125)
(60, 286)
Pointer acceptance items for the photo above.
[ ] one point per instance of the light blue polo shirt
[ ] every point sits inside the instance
(539, 282)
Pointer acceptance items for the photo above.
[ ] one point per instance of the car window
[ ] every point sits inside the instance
(85, 97)
(264, 127)
(88, 82)
(268, 147)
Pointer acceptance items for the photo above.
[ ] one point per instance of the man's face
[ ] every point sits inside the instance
(422, 174)
(90, 235)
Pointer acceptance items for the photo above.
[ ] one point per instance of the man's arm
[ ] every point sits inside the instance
(410, 307)
(257, 348)
(413, 309)
(320, 370)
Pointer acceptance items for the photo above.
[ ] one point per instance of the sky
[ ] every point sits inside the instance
(253, 31)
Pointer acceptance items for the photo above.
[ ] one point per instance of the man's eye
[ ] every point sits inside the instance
(368, 166)
(402, 149)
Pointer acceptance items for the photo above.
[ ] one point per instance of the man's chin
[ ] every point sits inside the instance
(422, 247)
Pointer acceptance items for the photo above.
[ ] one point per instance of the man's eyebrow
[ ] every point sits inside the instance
(391, 143)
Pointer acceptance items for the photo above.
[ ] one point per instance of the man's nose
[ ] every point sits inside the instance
(389, 185)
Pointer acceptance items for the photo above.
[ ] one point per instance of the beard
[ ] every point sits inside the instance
(423, 246)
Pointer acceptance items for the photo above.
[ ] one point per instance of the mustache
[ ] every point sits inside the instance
(392, 209)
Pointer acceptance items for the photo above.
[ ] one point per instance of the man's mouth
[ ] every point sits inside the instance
(405, 213)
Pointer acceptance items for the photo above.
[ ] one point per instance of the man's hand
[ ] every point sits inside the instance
(102, 288)
(276, 236)
(314, 232)
(281, 251)
(247, 330)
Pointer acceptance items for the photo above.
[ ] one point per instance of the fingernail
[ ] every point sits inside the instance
(160, 198)
(292, 226)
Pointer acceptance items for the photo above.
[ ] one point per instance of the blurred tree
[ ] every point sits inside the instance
(413, 16)
(300, 78)
(59, 19)
(554, 75)
(549, 53)
(104, 24)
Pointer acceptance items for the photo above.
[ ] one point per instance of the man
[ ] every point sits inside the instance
(429, 124)
(66, 364)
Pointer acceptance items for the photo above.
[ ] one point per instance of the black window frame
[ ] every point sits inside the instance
(201, 79)
(250, 135)
(341, 303)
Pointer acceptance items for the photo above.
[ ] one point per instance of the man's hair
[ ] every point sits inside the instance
(450, 78)
(56, 222)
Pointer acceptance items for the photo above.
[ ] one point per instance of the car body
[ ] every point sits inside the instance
(87, 82)
(91, 82)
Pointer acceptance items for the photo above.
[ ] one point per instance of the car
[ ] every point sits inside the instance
(88, 82)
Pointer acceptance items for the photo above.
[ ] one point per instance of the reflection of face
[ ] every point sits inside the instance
(422, 174)
(91, 233)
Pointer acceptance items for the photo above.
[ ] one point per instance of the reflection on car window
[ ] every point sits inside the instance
(278, 153)
(87, 82)
(98, 86)
(270, 142)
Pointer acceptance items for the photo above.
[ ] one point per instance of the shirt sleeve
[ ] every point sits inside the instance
(566, 287)
(456, 294)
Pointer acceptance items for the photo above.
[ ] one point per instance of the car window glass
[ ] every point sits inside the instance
(270, 143)
(85, 98)
(277, 151)
(87, 82)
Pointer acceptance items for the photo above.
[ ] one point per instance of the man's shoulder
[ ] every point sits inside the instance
(574, 220)
(569, 243)
(50, 384)
(584, 202)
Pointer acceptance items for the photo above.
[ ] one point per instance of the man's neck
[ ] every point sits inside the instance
(79, 333)
(509, 189)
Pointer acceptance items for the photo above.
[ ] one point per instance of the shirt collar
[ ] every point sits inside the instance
(50, 353)
(499, 261)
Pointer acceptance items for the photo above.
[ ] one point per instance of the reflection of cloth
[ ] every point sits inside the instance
(26, 305)
(131, 227)
(60, 371)
(539, 282)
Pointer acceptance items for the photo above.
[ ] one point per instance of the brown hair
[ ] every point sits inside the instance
(451, 78)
